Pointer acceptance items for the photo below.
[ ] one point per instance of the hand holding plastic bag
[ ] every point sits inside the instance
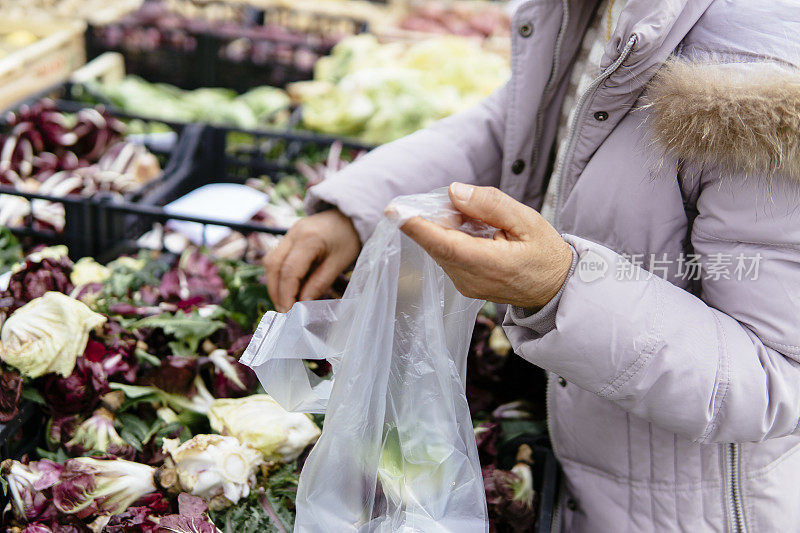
(398, 451)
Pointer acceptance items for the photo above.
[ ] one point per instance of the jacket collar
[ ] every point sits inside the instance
(659, 27)
(741, 117)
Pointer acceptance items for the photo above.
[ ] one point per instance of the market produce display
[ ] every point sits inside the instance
(178, 28)
(257, 108)
(150, 422)
(380, 92)
(52, 153)
(138, 416)
(150, 417)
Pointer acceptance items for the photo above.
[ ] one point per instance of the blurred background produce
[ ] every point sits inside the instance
(379, 92)
(259, 107)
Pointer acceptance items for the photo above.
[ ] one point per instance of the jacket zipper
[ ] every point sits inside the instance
(556, 524)
(566, 156)
(550, 85)
(548, 413)
(733, 481)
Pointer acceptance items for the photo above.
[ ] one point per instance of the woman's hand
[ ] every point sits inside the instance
(524, 265)
(308, 259)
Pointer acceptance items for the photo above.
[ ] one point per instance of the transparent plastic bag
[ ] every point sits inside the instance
(398, 451)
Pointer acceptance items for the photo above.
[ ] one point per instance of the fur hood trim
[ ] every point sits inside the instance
(744, 117)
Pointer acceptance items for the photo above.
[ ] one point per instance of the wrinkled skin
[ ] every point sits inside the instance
(525, 264)
(310, 258)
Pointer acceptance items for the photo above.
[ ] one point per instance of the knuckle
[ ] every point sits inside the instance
(302, 228)
(288, 270)
(447, 252)
(493, 201)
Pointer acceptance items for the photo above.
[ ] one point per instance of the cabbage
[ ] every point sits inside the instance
(259, 421)
(265, 101)
(380, 92)
(47, 335)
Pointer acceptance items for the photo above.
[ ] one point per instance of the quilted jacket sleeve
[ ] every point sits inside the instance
(722, 367)
(465, 147)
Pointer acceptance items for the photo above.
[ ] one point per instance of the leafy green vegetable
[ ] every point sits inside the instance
(10, 250)
(33, 395)
(247, 299)
(270, 509)
(129, 274)
(188, 330)
(214, 105)
(380, 92)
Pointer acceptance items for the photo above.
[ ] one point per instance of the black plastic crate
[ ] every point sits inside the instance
(21, 435)
(175, 149)
(162, 46)
(281, 48)
(120, 225)
(241, 154)
(225, 155)
(273, 46)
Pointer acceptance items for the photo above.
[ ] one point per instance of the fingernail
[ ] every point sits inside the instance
(461, 191)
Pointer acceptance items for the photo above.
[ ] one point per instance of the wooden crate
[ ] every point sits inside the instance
(93, 11)
(50, 60)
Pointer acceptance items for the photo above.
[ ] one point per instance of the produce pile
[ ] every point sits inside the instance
(134, 364)
(52, 153)
(152, 423)
(178, 26)
(258, 108)
(380, 92)
(470, 19)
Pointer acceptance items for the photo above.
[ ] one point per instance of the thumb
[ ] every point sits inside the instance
(494, 207)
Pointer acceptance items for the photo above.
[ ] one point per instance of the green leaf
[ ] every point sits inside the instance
(58, 456)
(33, 395)
(247, 299)
(270, 508)
(10, 250)
(131, 439)
(133, 424)
(144, 357)
(133, 391)
(190, 329)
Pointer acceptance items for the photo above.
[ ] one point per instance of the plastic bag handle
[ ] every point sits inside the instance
(283, 341)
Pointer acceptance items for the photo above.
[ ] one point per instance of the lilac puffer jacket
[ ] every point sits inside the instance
(674, 345)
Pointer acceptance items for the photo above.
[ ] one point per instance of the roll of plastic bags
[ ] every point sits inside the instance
(397, 451)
